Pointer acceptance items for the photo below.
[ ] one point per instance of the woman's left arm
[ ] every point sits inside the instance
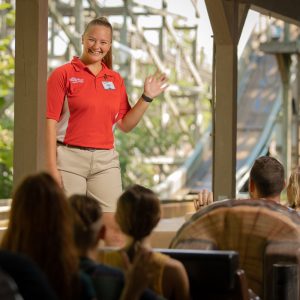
(154, 85)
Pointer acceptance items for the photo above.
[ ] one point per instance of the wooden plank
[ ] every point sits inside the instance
(287, 10)
(219, 21)
(227, 19)
(274, 47)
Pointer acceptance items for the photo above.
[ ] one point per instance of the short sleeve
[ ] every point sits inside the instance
(124, 103)
(56, 91)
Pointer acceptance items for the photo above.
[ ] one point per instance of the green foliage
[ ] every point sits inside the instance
(6, 87)
(141, 144)
(6, 162)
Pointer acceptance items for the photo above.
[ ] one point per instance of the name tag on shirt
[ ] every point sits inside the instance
(108, 85)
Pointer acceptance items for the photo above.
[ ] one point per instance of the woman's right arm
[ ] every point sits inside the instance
(51, 150)
(56, 91)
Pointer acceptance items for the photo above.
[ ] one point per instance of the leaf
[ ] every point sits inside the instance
(5, 6)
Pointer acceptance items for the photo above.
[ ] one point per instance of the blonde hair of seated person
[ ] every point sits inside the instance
(293, 189)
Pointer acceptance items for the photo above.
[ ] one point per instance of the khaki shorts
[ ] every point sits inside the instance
(93, 173)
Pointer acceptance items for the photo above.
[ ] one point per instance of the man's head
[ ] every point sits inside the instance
(266, 178)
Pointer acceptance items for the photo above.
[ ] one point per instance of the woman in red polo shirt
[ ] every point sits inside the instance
(85, 99)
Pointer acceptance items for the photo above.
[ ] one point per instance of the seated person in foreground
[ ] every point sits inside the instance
(40, 226)
(138, 212)
(109, 282)
(266, 181)
(293, 189)
(31, 282)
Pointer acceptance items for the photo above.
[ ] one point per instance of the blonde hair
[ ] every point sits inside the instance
(102, 21)
(293, 189)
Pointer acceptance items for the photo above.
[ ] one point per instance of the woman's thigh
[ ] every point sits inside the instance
(106, 187)
(73, 183)
(74, 167)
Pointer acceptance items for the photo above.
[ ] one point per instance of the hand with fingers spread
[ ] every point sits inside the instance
(139, 273)
(155, 84)
(204, 198)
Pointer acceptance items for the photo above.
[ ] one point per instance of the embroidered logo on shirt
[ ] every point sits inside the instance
(76, 80)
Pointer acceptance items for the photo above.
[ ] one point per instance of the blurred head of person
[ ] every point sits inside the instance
(138, 212)
(40, 226)
(293, 189)
(88, 227)
(266, 179)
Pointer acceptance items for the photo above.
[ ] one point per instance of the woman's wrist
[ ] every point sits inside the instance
(146, 98)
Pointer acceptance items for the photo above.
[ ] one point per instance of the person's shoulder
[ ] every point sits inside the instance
(175, 279)
(173, 264)
(175, 269)
(160, 257)
(62, 70)
(30, 280)
(113, 73)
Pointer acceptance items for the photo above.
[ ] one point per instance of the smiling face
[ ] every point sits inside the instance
(96, 43)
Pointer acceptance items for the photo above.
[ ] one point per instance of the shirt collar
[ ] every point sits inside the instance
(79, 65)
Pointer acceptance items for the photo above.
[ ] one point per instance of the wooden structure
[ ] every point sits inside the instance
(227, 19)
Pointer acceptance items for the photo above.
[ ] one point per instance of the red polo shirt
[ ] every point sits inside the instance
(86, 106)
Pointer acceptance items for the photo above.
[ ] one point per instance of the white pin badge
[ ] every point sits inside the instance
(108, 85)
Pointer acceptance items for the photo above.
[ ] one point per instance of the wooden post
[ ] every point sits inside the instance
(30, 86)
(298, 109)
(227, 20)
(284, 62)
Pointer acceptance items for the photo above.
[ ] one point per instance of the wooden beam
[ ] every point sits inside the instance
(196, 7)
(224, 24)
(150, 48)
(30, 86)
(187, 59)
(225, 123)
(79, 21)
(274, 47)
(298, 108)
(287, 10)
(284, 64)
(67, 10)
(242, 15)
(219, 21)
(227, 19)
(72, 36)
